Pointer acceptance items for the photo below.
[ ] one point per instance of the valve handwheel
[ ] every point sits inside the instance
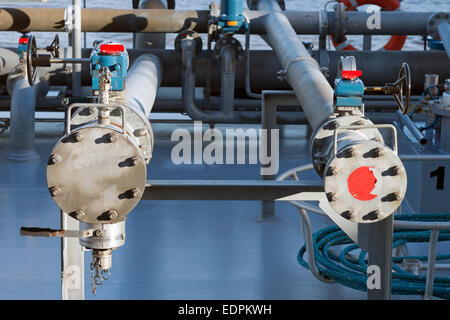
(401, 89)
(31, 54)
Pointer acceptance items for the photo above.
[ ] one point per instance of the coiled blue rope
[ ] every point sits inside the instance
(352, 272)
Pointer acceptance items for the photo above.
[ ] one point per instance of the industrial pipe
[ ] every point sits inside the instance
(301, 70)
(146, 40)
(407, 122)
(142, 82)
(22, 131)
(264, 66)
(228, 58)
(444, 32)
(174, 21)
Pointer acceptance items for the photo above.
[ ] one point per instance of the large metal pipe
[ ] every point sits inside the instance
(302, 71)
(22, 145)
(444, 32)
(167, 21)
(264, 66)
(155, 40)
(142, 82)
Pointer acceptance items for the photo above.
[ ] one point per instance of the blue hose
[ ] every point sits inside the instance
(352, 272)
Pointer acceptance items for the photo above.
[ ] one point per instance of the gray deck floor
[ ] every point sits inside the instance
(174, 249)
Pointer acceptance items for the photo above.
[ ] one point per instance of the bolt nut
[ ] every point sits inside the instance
(140, 132)
(79, 214)
(379, 152)
(54, 158)
(112, 137)
(332, 196)
(135, 192)
(351, 152)
(397, 196)
(55, 191)
(135, 161)
(331, 171)
(112, 214)
(78, 137)
(98, 233)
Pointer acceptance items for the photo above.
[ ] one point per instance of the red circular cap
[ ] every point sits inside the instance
(361, 183)
(111, 48)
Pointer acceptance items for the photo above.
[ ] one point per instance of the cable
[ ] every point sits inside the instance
(352, 272)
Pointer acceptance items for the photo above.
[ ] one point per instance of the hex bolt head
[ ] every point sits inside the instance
(112, 137)
(397, 196)
(135, 192)
(135, 161)
(78, 137)
(55, 191)
(379, 152)
(351, 152)
(112, 214)
(54, 158)
(98, 233)
(331, 171)
(332, 196)
(398, 170)
(140, 132)
(79, 214)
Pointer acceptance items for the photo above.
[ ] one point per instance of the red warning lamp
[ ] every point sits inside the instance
(112, 48)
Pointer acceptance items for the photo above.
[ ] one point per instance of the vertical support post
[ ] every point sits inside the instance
(376, 238)
(431, 264)
(367, 42)
(76, 48)
(72, 262)
(268, 122)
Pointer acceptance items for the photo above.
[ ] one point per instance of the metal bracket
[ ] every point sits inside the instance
(93, 105)
(55, 233)
(375, 126)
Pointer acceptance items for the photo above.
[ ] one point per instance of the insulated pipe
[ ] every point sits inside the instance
(142, 82)
(302, 71)
(146, 40)
(228, 55)
(8, 60)
(22, 132)
(173, 21)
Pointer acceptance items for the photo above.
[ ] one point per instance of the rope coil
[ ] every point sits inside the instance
(352, 272)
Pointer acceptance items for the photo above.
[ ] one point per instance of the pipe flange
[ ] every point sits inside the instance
(365, 182)
(230, 42)
(321, 144)
(96, 174)
(188, 35)
(433, 23)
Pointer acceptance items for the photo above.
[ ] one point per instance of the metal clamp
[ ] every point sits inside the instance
(282, 74)
(97, 106)
(375, 126)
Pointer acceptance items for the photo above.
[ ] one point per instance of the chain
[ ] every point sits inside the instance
(98, 274)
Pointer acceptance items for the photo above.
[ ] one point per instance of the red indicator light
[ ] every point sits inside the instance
(111, 48)
(23, 40)
(351, 74)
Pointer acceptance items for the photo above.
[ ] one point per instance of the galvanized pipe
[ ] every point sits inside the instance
(76, 48)
(142, 82)
(22, 147)
(173, 21)
(407, 122)
(302, 71)
(444, 32)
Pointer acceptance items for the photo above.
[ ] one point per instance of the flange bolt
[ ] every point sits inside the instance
(78, 137)
(55, 191)
(112, 214)
(112, 137)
